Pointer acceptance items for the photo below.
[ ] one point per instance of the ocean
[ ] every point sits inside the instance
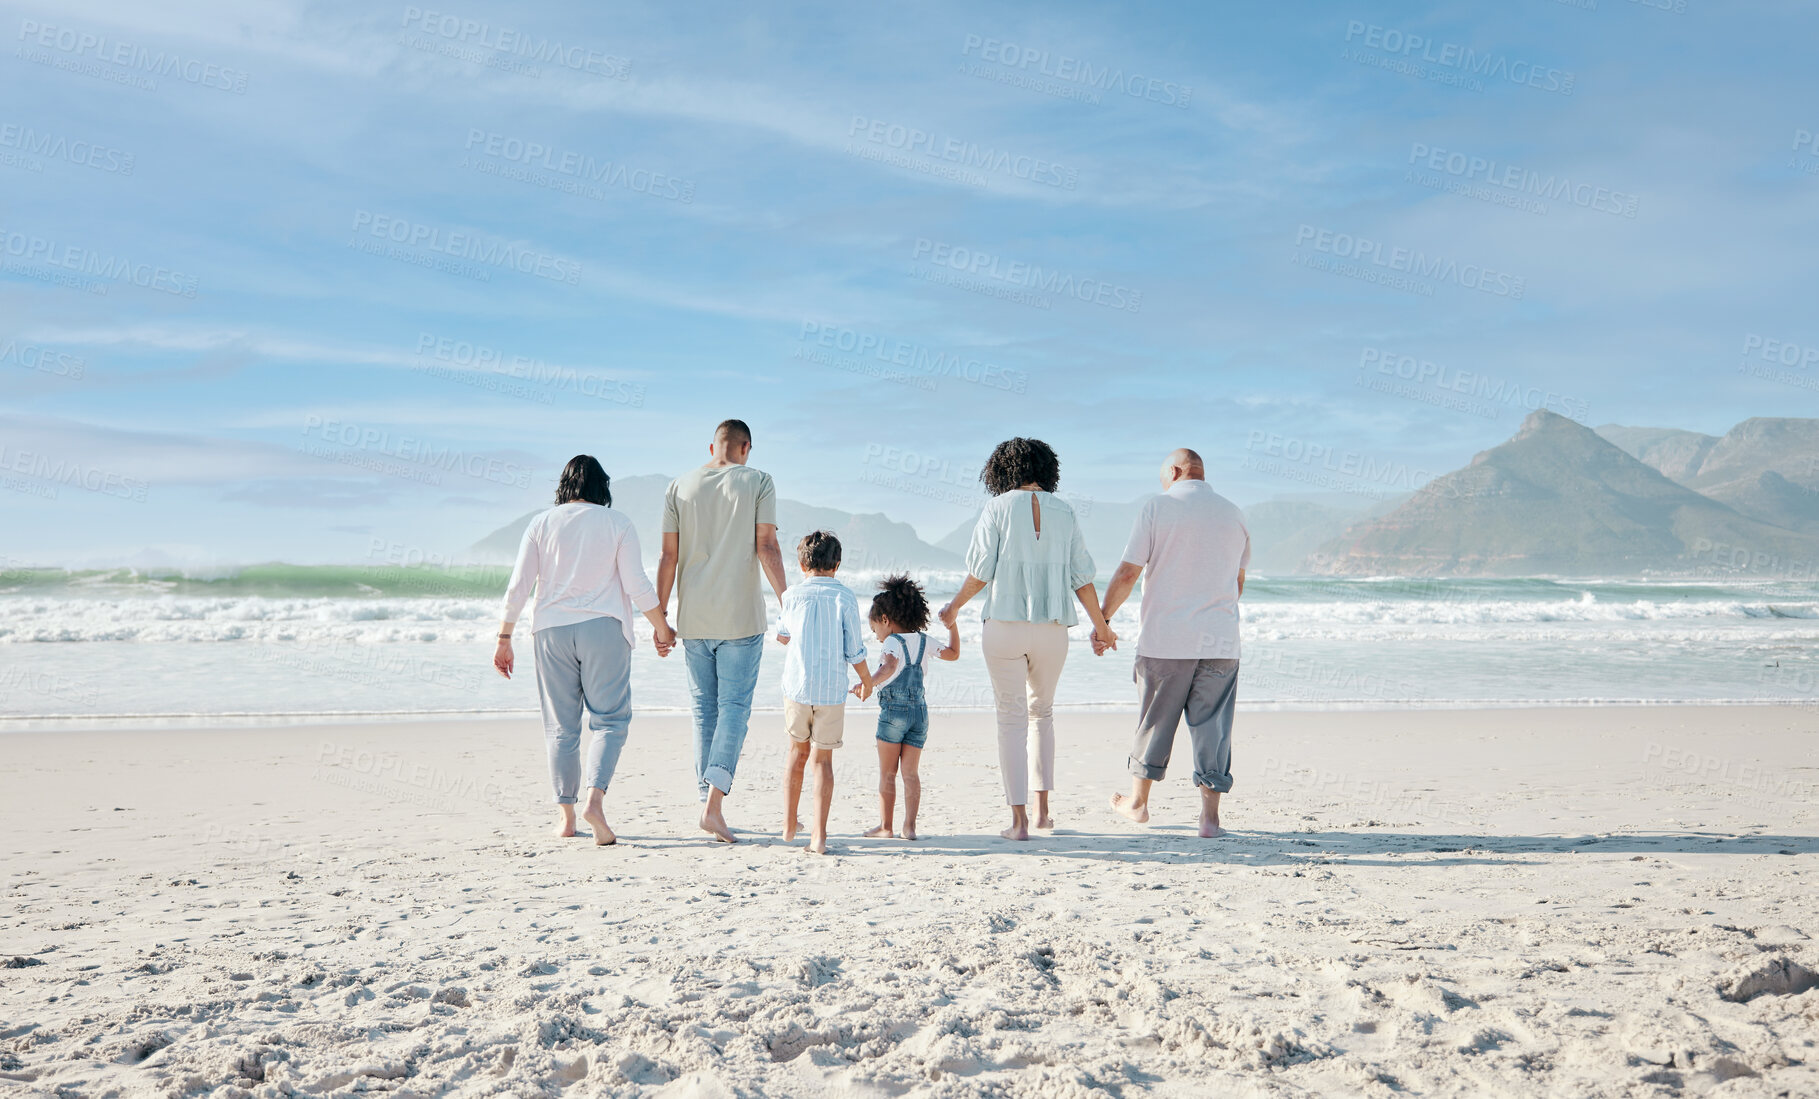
(289, 643)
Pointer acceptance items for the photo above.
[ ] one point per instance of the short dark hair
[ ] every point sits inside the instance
(733, 433)
(1018, 462)
(819, 551)
(901, 603)
(583, 479)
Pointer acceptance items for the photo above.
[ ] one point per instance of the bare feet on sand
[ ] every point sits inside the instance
(1130, 809)
(1209, 828)
(1045, 824)
(790, 830)
(715, 825)
(909, 831)
(881, 830)
(603, 836)
(565, 821)
(1016, 832)
(817, 845)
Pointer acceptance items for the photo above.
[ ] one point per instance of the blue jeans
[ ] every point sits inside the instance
(584, 673)
(905, 725)
(721, 677)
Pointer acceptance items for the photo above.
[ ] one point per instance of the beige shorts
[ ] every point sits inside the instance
(822, 726)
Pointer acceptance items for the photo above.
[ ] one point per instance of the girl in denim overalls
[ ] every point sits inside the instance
(899, 616)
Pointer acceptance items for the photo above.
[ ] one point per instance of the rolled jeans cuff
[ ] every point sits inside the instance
(1148, 770)
(718, 778)
(560, 800)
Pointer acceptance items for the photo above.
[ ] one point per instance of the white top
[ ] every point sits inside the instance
(897, 645)
(584, 562)
(1191, 542)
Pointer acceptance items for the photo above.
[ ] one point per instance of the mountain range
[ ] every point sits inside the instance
(1557, 498)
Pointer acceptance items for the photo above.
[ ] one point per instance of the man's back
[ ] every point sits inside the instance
(714, 511)
(1192, 543)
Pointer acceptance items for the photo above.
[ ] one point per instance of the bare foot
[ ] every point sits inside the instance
(909, 831)
(1209, 828)
(565, 822)
(603, 836)
(1045, 824)
(1015, 832)
(881, 830)
(715, 825)
(790, 830)
(817, 845)
(1128, 808)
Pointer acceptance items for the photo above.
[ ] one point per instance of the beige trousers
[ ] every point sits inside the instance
(1024, 660)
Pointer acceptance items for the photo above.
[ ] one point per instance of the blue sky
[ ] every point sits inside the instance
(281, 280)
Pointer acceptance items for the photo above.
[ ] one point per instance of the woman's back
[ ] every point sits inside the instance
(1029, 549)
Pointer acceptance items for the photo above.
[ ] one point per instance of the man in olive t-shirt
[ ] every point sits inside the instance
(719, 532)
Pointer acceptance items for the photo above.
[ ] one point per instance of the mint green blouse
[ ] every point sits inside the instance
(1029, 577)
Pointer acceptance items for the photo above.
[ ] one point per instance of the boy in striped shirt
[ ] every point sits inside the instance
(824, 636)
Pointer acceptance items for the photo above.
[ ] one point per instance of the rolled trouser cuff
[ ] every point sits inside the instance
(1146, 770)
(1218, 784)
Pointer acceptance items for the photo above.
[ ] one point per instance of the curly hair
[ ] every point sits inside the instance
(819, 551)
(583, 479)
(901, 603)
(1018, 462)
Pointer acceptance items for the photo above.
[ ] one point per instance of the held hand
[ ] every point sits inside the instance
(665, 637)
(863, 691)
(502, 658)
(949, 616)
(1104, 639)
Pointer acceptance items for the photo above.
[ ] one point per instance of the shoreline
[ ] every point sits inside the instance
(32, 723)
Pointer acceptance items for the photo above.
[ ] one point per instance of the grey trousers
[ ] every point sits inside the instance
(1205, 691)
(584, 672)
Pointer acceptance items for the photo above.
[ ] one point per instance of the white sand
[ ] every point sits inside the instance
(1540, 902)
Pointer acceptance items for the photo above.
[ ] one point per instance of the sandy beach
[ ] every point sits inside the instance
(1572, 901)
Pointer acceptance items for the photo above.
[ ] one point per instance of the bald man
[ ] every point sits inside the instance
(1191, 548)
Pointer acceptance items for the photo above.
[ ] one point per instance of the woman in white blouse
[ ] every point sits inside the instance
(584, 562)
(1030, 559)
